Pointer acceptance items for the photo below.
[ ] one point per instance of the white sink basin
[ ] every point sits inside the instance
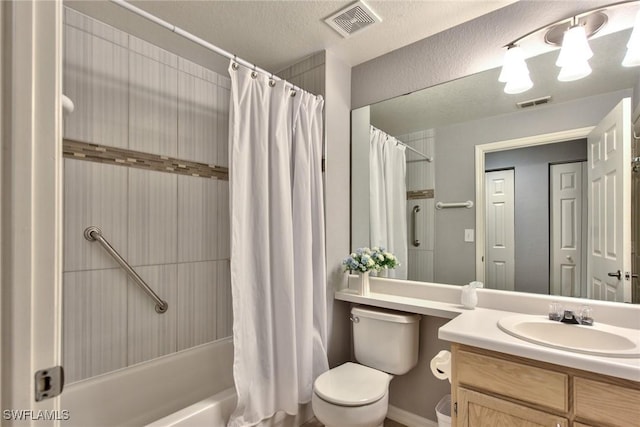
(599, 339)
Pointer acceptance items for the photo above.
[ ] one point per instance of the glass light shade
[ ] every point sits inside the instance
(518, 85)
(575, 47)
(574, 71)
(514, 65)
(632, 58)
(515, 72)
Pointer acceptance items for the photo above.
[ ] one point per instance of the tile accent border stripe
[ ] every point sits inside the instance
(80, 150)
(420, 194)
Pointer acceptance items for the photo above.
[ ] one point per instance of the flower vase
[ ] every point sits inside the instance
(364, 283)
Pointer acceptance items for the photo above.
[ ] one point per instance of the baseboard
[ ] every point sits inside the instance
(409, 419)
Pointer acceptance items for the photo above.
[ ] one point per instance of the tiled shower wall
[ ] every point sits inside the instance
(420, 177)
(173, 229)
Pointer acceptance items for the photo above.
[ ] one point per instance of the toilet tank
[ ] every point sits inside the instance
(385, 340)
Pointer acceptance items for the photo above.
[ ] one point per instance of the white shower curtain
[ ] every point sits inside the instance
(388, 198)
(278, 271)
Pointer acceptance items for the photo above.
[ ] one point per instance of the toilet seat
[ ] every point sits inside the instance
(351, 384)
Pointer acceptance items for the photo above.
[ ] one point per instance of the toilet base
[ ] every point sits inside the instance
(331, 415)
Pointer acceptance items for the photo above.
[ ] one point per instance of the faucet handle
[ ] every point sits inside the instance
(586, 315)
(555, 311)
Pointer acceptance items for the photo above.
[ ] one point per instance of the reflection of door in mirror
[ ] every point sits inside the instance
(500, 252)
(608, 260)
(530, 213)
(567, 214)
(609, 237)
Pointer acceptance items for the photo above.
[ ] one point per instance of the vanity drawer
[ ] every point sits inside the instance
(520, 381)
(599, 402)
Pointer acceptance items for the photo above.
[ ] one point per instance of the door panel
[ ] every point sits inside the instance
(566, 213)
(500, 263)
(609, 177)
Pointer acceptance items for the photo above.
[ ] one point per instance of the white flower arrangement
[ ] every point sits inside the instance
(366, 259)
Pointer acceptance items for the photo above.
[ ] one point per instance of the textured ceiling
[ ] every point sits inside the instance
(275, 34)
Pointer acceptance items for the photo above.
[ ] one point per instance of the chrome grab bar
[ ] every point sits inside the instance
(95, 234)
(414, 225)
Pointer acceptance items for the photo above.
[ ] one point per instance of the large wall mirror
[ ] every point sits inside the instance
(483, 171)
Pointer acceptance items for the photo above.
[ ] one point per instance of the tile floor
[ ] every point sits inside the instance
(315, 423)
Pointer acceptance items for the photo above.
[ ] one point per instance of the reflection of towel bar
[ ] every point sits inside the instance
(414, 221)
(467, 204)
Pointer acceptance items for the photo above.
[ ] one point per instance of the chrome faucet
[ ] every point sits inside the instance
(569, 317)
(585, 316)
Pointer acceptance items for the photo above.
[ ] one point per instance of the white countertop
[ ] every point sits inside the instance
(479, 327)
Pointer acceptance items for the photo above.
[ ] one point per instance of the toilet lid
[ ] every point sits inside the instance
(351, 384)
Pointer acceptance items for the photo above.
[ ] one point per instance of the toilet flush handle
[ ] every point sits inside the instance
(354, 319)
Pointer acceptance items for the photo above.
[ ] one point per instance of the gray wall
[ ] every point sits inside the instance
(455, 145)
(460, 51)
(419, 391)
(531, 173)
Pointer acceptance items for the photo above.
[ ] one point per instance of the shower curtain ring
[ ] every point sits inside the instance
(272, 82)
(254, 74)
(235, 65)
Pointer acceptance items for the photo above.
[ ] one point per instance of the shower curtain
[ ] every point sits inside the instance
(278, 274)
(388, 198)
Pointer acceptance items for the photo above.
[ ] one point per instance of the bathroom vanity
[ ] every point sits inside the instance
(490, 388)
(500, 380)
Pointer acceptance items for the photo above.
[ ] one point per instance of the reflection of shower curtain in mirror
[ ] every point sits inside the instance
(388, 198)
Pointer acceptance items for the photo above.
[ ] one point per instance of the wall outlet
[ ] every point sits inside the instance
(469, 234)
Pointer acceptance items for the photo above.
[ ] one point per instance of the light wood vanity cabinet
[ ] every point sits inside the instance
(494, 389)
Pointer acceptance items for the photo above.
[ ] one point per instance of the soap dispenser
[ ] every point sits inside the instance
(469, 298)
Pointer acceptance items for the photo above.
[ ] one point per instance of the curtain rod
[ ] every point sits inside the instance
(410, 148)
(187, 35)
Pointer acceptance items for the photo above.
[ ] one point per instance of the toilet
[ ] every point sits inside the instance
(357, 394)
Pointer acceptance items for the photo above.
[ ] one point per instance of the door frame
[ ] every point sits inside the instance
(481, 150)
(31, 188)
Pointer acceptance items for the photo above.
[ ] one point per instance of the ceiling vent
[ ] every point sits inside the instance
(533, 102)
(352, 19)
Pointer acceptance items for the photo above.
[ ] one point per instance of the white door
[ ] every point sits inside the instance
(500, 228)
(567, 229)
(609, 171)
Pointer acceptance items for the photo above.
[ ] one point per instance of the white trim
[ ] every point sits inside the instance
(409, 419)
(32, 219)
(480, 150)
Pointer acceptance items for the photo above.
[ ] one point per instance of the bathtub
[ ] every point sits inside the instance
(216, 410)
(212, 412)
(152, 390)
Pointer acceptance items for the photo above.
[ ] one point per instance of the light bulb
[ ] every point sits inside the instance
(574, 71)
(518, 85)
(575, 47)
(515, 72)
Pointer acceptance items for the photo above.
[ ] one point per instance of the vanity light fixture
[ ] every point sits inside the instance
(515, 72)
(632, 58)
(572, 36)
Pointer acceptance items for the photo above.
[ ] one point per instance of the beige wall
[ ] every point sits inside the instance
(337, 122)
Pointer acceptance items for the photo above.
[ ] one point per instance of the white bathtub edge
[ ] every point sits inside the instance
(213, 411)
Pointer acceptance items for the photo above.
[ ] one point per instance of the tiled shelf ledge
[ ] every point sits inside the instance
(81, 150)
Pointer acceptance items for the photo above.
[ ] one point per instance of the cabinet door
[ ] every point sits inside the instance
(603, 403)
(481, 410)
